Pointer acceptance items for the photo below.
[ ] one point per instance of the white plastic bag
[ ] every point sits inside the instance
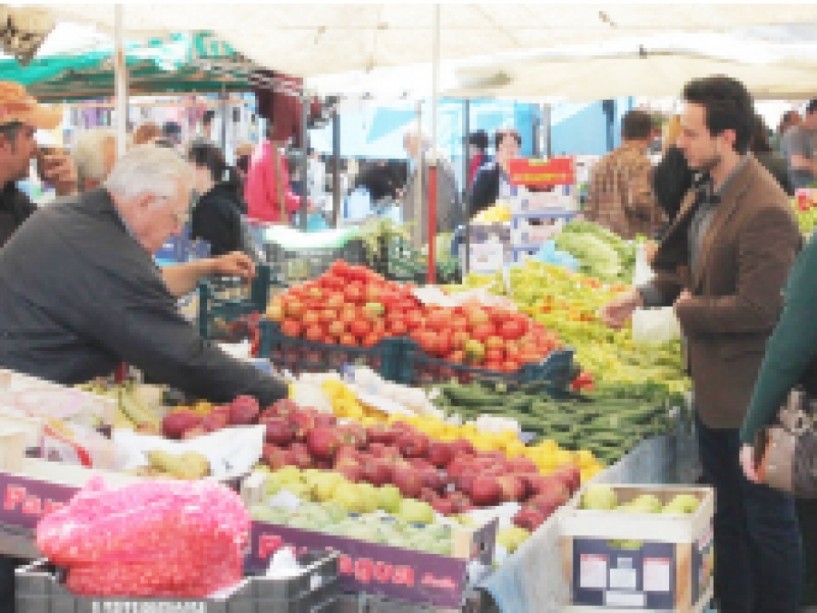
(655, 325)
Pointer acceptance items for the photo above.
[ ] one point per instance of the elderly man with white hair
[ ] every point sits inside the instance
(79, 291)
(94, 154)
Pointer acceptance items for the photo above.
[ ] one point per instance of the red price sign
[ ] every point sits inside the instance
(543, 173)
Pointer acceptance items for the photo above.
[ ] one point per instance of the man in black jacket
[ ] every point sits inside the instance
(79, 291)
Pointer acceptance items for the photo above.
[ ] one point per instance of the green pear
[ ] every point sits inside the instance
(687, 503)
(648, 503)
(324, 485)
(347, 495)
(416, 511)
(369, 497)
(289, 474)
(388, 498)
(599, 498)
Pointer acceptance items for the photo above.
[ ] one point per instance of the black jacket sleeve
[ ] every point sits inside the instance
(142, 325)
(485, 190)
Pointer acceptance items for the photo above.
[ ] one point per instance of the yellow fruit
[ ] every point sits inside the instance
(514, 448)
(585, 458)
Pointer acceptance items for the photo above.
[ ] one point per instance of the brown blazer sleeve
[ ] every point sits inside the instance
(767, 246)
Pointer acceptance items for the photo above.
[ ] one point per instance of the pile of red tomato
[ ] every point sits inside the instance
(354, 306)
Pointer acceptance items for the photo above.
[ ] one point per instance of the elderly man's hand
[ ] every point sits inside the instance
(234, 264)
(618, 310)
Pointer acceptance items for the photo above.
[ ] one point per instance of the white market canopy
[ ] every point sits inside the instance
(494, 49)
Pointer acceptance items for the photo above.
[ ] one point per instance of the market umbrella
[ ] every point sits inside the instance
(311, 39)
(649, 75)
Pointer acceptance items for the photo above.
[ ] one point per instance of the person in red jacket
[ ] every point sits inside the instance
(267, 190)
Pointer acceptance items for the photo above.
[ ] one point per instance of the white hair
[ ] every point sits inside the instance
(89, 153)
(148, 169)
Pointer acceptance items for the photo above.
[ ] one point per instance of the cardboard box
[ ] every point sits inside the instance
(560, 198)
(374, 568)
(533, 230)
(615, 560)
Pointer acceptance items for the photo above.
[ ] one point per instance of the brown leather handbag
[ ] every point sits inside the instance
(789, 448)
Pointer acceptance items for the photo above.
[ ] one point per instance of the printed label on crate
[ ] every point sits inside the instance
(624, 599)
(370, 567)
(657, 575)
(25, 501)
(593, 571)
(553, 171)
(622, 573)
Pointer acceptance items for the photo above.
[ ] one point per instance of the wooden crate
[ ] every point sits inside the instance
(622, 561)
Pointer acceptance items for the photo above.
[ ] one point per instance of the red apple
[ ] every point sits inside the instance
(485, 491)
(274, 456)
(460, 501)
(570, 475)
(377, 471)
(433, 479)
(325, 420)
(547, 502)
(323, 442)
(300, 455)
(217, 419)
(465, 481)
(351, 470)
(413, 445)
(244, 410)
(407, 481)
(380, 433)
(279, 430)
(176, 423)
(528, 518)
(427, 495)
(440, 453)
(302, 420)
(443, 506)
(352, 434)
(513, 488)
(521, 464)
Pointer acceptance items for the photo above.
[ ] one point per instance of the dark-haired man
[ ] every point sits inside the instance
(722, 264)
(620, 196)
(20, 117)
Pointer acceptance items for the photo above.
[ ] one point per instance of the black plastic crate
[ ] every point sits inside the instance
(39, 588)
(219, 306)
(289, 266)
(419, 368)
(300, 355)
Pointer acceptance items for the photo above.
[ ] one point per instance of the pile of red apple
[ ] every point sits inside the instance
(451, 476)
(354, 306)
(184, 423)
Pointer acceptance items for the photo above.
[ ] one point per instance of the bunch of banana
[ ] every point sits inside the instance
(186, 465)
(132, 407)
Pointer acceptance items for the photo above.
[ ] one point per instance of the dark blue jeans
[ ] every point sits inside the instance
(758, 553)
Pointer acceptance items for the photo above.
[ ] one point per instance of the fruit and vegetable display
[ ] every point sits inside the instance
(567, 303)
(605, 423)
(601, 253)
(805, 209)
(354, 306)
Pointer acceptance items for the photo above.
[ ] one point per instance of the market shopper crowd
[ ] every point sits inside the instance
(717, 203)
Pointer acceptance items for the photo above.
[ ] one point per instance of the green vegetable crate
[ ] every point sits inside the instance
(224, 300)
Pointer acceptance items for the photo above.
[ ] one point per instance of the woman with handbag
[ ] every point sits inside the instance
(779, 443)
(790, 360)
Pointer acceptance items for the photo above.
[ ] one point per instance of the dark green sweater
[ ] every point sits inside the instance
(792, 348)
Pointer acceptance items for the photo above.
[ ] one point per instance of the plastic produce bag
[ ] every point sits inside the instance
(157, 538)
(550, 255)
(655, 325)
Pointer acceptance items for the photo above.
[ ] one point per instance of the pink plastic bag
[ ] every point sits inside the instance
(157, 538)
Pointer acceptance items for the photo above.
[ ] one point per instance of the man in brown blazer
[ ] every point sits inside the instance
(722, 265)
